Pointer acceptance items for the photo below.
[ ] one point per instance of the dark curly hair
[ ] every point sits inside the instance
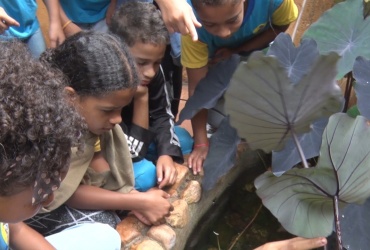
(139, 22)
(38, 126)
(95, 63)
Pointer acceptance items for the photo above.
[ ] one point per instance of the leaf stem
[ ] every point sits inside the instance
(299, 148)
(337, 223)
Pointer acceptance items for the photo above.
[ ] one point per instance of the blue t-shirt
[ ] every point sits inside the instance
(24, 11)
(255, 21)
(85, 11)
(4, 236)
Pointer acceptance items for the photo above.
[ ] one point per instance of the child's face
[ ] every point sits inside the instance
(224, 20)
(18, 207)
(103, 113)
(148, 58)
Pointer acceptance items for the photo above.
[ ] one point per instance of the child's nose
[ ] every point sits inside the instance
(224, 32)
(116, 118)
(149, 72)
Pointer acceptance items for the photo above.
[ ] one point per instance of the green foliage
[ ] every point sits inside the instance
(302, 199)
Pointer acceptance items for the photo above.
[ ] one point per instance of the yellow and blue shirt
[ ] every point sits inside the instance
(4, 236)
(256, 20)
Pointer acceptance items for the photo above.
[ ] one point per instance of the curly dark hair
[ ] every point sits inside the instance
(139, 22)
(38, 126)
(95, 63)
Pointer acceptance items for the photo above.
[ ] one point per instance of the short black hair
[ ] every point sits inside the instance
(38, 126)
(139, 22)
(95, 63)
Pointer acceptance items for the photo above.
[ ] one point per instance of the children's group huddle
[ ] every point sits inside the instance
(86, 128)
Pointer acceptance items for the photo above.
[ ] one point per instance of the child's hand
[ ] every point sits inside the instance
(166, 171)
(179, 17)
(56, 35)
(156, 206)
(6, 21)
(141, 92)
(196, 159)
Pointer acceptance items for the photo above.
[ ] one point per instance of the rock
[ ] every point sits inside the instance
(129, 229)
(163, 234)
(192, 192)
(180, 215)
(147, 245)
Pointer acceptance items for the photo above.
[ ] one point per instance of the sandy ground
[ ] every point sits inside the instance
(310, 11)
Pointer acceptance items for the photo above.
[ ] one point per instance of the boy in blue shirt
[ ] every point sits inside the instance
(228, 27)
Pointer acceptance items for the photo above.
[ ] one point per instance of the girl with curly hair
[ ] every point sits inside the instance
(37, 129)
(102, 80)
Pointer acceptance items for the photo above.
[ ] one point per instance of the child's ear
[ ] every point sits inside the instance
(71, 94)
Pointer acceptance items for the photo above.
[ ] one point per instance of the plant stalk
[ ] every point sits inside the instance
(337, 223)
(299, 148)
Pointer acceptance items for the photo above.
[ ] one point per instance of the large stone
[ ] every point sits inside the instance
(180, 215)
(192, 192)
(129, 229)
(163, 234)
(147, 245)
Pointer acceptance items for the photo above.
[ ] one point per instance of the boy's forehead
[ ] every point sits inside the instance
(199, 4)
(220, 13)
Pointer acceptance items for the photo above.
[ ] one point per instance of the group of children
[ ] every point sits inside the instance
(95, 111)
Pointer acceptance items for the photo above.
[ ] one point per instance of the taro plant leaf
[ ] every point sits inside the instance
(296, 61)
(221, 155)
(302, 199)
(355, 226)
(344, 30)
(310, 143)
(210, 89)
(265, 107)
(361, 72)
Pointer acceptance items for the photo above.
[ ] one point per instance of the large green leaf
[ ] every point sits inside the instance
(265, 107)
(343, 30)
(302, 199)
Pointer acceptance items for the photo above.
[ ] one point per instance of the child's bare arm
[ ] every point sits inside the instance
(69, 28)
(110, 11)
(56, 33)
(198, 122)
(297, 243)
(153, 205)
(25, 238)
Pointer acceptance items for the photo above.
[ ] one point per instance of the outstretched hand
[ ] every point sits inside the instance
(6, 21)
(297, 243)
(179, 17)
